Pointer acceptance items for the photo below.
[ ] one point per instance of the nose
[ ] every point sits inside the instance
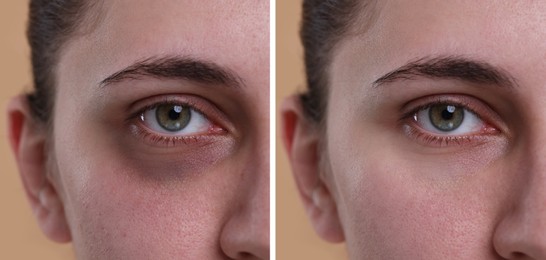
(245, 234)
(521, 232)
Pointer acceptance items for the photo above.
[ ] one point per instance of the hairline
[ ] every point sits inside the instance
(360, 21)
(91, 16)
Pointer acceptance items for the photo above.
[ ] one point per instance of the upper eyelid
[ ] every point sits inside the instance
(142, 105)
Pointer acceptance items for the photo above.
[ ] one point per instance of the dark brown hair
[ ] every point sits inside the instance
(324, 24)
(51, 23)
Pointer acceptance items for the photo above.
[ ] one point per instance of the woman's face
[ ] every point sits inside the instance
(161, 131)
(444, 157)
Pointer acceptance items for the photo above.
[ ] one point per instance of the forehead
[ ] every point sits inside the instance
(500, 33)
(233, 34)
(461, 23)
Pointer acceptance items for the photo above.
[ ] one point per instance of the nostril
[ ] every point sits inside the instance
(245, 255)
(518, 255)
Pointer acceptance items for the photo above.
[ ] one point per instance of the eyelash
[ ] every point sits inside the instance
(416, 132)
(209, 112)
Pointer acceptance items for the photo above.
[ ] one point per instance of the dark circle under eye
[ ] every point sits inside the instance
(173, 117)
(446, 117)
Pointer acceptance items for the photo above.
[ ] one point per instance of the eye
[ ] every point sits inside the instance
(449, 119)
(175, 119)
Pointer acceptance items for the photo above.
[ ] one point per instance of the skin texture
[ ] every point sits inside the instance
(120, 194)
(391, 194)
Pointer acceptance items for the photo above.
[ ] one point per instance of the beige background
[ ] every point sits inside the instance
(295, 237)
(20, 237)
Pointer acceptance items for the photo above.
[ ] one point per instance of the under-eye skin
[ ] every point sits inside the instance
(173, 120)
(449, 120)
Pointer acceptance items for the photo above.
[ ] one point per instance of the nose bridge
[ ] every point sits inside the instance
(256, 173)
(245, 234)
(533, 165)
(522, 229)
(255, 205)
(256, 177)
(531, 205)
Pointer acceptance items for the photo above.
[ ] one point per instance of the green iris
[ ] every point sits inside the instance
(446, 117)
(173, 118)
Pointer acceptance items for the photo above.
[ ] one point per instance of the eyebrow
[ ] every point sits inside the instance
(174, 67)
(450, 67)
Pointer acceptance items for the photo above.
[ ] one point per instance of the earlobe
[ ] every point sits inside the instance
(28, 143)
(323, 214)
(301, 140)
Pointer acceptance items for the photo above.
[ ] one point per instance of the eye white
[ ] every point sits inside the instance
(470, 124)
(197, 124)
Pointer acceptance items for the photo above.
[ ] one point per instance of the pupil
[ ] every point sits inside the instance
(173, 115)
(446, 115)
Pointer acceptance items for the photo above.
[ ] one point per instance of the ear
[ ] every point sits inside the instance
(301, 140)
(28, 142)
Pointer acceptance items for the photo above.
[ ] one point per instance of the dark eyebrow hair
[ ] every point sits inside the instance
(174, 67)
(450, 67)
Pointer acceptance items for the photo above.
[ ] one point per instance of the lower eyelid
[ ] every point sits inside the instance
(140, 132)
(428, 139)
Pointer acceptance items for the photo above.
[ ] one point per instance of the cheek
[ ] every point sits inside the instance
(401, 205)
(113, 215)
(119, 209)
(386, 213)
